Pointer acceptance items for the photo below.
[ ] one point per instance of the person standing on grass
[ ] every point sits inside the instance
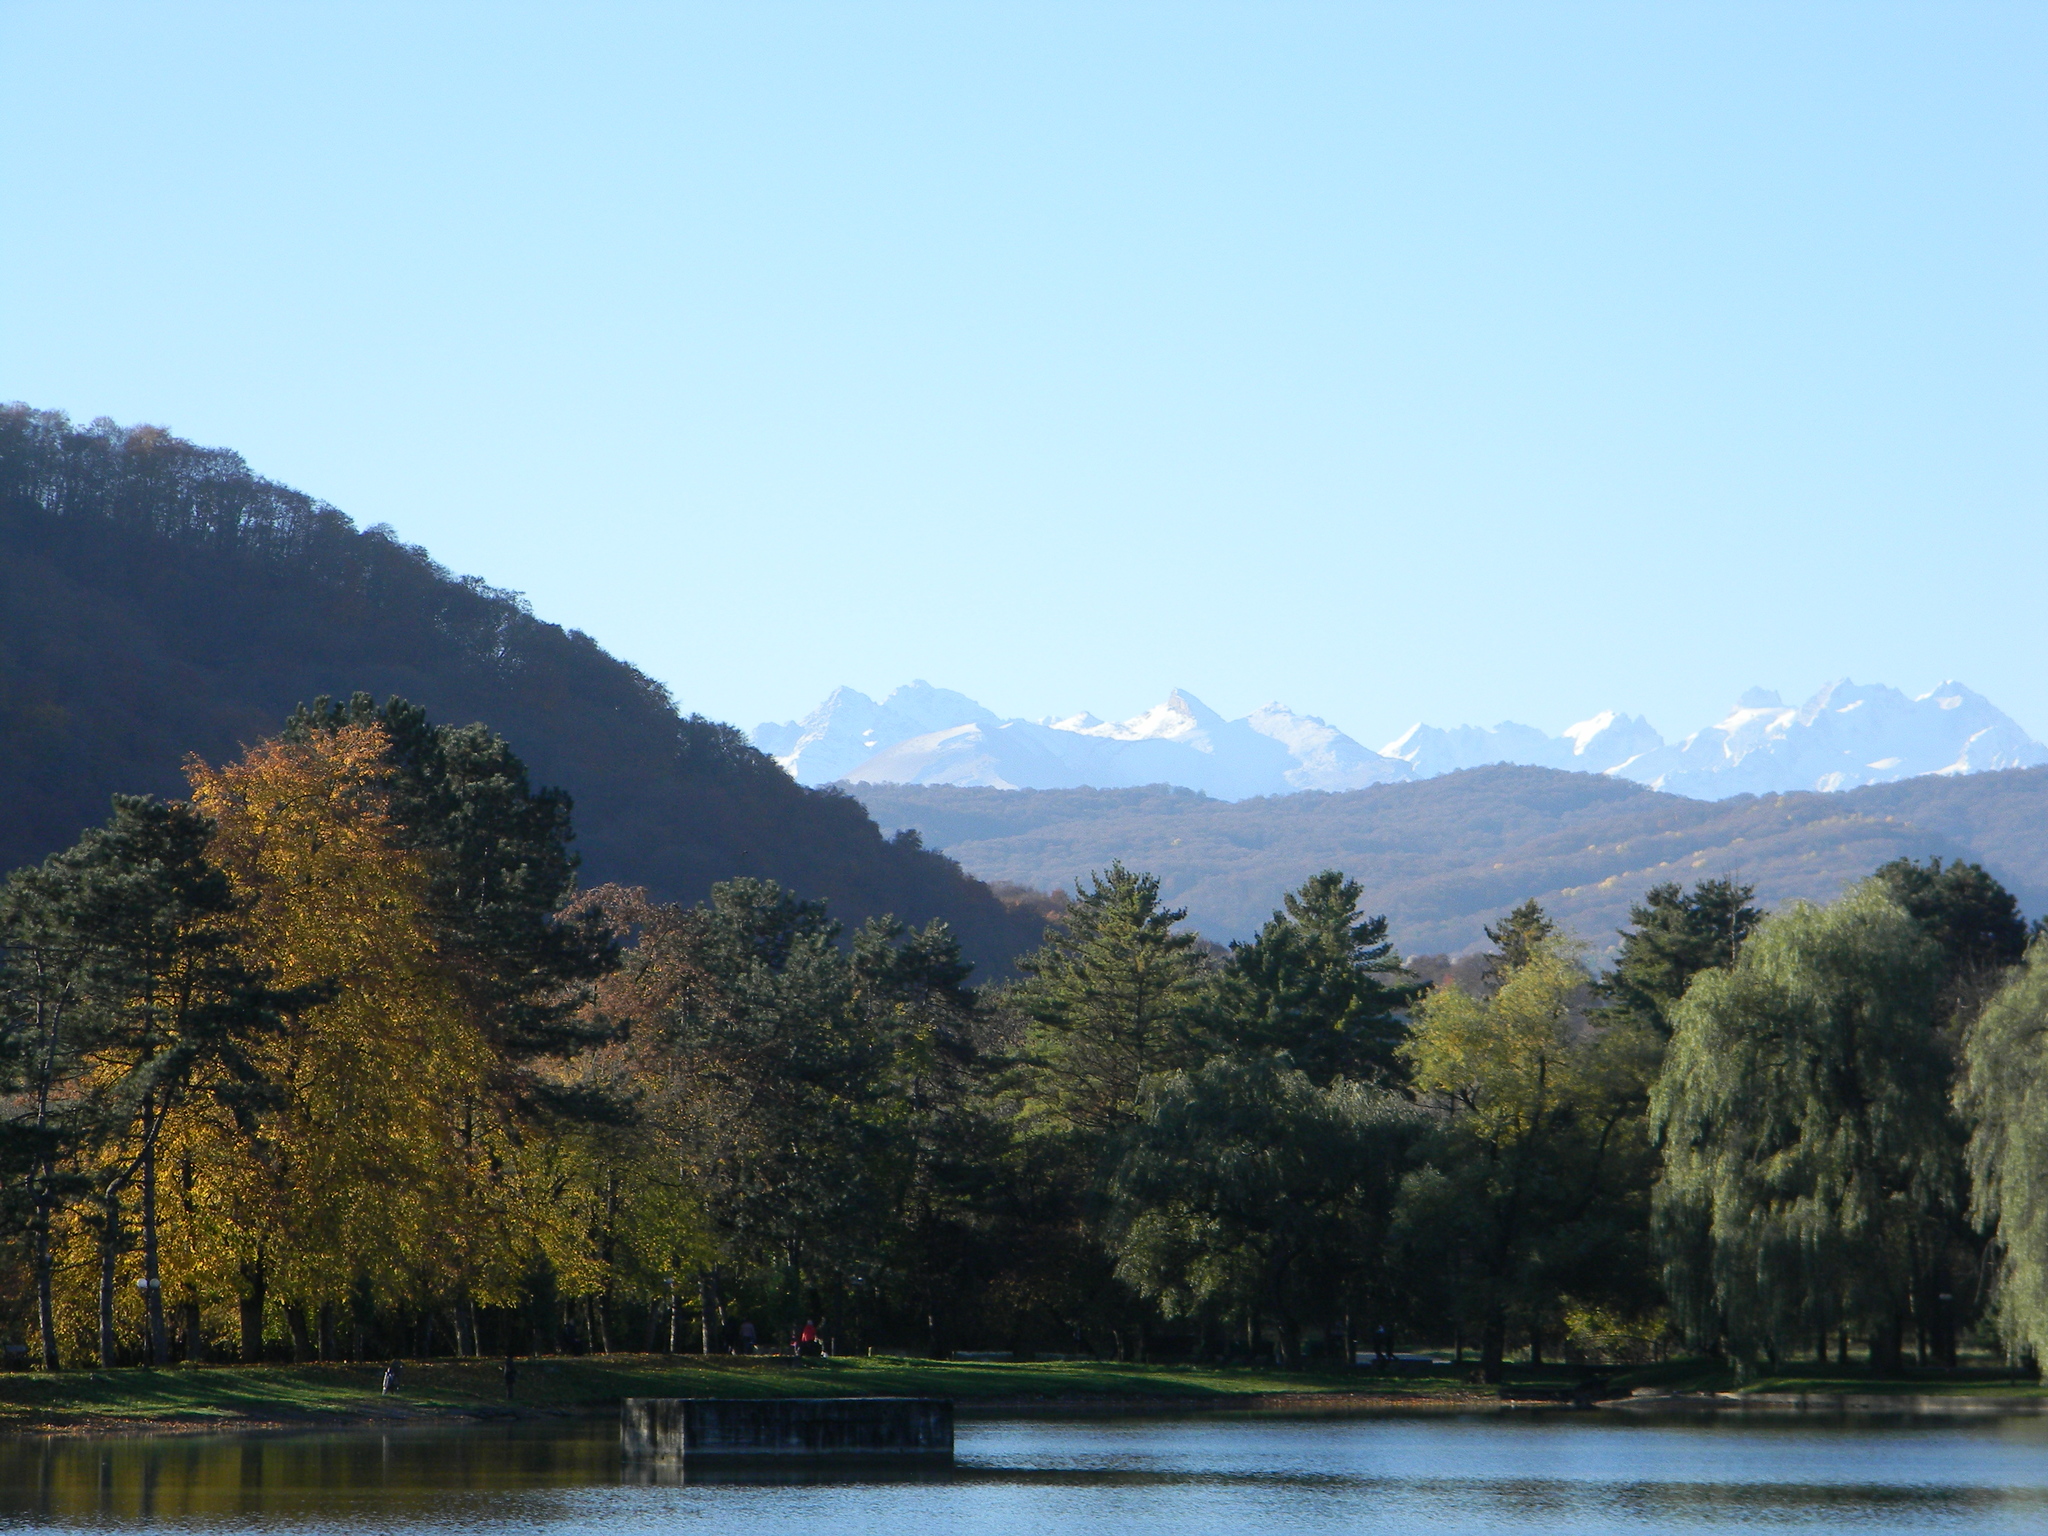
(393, 1377)
(511, 1374)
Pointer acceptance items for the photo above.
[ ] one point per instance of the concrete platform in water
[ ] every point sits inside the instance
(696, 1430)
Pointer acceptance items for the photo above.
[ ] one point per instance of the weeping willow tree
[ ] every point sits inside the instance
(2003, 1096)
(1810, 1158)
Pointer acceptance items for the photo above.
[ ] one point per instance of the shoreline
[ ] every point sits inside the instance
(469, 1392)
(2006, 1403)
(1067, 1406)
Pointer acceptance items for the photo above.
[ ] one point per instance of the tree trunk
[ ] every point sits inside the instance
(49, 1022)
(194, 1330)
(1535, 1344)
(707, 1300)
(152, 1282)
(465, 1326)
(110, 1253)
(1493, 1345)
(608, 1251)
(1941, 1316)
(255, 1285)
(302, 1336)
(1888, 1347)
(46, 1311)
(327, 1351)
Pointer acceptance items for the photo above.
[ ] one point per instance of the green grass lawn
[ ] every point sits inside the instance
(449, 1388)
(225, 1395)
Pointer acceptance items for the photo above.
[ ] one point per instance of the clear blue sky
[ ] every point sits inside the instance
(1444, 360)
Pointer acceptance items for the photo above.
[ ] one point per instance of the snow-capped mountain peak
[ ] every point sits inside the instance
(849, 727)
(1844, 735)
(1596, 745)
(1182, 716)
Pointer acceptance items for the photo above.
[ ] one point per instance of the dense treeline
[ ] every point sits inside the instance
(332, 1058)
(159, 599)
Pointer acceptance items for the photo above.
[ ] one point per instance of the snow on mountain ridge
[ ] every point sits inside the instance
(849, 727)
(1598, 745)
(1181, 717)
(1845, 735)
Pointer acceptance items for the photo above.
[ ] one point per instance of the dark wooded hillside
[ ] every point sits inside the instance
(158, 599)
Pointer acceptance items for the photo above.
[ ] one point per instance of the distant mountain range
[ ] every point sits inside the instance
(1844, 737)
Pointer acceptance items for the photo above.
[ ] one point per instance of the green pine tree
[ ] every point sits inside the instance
(1114, 995)
(1315, 984)
(1676, 935)
(1519, 939)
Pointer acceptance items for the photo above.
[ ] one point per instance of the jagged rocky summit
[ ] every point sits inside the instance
(1844, 736)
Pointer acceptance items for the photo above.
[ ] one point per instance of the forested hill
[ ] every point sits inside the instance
(157, 599)
(1444, 857)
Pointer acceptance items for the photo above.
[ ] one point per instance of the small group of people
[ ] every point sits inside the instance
(805, 1342)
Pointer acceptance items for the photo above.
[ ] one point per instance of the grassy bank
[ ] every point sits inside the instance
(229, 1395)
(193, 1396)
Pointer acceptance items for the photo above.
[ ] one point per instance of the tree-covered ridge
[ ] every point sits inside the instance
(158, 599)
(1444, 856)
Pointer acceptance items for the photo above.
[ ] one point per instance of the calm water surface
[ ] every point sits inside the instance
(1528, 1473)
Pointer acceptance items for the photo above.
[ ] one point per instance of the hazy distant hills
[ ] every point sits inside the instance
(157, 599)
(1446, 855)
(1844, 736)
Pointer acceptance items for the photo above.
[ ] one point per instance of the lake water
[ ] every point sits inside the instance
(1580, 1473)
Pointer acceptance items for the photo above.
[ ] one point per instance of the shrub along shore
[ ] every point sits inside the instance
(230, 1397)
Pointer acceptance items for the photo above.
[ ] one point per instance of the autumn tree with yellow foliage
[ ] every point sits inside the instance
(385, 1162)
(1534, 1185)
(310, 1042)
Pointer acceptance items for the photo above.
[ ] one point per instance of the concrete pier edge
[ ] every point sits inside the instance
(699, 1429)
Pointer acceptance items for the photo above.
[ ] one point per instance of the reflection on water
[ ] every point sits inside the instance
(1578, 1473)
